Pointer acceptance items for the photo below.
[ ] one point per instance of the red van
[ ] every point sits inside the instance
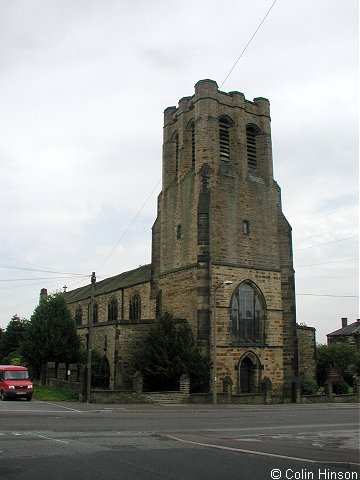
(15, 382)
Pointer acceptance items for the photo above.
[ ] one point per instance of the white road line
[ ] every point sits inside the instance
(39, 411)
(280, 427)
(66, 408)
(255, 452)
(47, 438)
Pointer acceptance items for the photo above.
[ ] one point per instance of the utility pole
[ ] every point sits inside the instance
(90, 335)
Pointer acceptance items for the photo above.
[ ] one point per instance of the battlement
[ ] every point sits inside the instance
(208, 89)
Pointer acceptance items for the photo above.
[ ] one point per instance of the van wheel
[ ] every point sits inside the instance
(28, 399)
(2, 396)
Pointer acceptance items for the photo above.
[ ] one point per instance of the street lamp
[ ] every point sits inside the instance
(214, 363)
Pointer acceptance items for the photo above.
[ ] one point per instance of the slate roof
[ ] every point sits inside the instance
(123, 280)
(353, 328)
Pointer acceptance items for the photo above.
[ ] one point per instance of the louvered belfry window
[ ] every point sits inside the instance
(193, 144)
(251, 132)
(224, 137)
(176, 138)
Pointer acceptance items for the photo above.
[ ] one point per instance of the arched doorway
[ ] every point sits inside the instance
(249, 373)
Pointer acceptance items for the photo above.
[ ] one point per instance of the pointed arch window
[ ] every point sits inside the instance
(78, 316)
(224, 138)
(112, 310)
(251, 133)
(135, 307)
(193, 145)
(95, 312)
(247, 314)
(191, 141)
(175, 139)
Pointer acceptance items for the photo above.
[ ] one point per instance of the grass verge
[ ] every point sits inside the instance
(54, 394)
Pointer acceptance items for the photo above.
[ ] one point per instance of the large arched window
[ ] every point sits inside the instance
(251, 132)
(112, 310)
(247, 314)
(135, 307)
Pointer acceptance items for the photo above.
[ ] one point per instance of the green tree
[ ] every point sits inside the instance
(50, 335)
(337, 355)
(169, 351)
(11, 340)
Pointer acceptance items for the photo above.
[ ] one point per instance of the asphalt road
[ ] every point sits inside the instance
(71, 441)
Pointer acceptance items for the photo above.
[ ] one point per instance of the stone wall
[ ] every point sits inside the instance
(307, 351)
(74, 378)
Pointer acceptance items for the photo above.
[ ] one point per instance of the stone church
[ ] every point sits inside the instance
(220, 246)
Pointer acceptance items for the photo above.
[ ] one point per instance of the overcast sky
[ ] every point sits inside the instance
(83, 87)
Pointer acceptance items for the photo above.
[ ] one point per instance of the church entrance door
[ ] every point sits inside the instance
(249, 373)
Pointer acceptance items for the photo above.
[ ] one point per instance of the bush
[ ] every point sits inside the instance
(168, 351)
(340, 387)
(308, 386)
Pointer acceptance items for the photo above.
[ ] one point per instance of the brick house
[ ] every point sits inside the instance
(219, 220)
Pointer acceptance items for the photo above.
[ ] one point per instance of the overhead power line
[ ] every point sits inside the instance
(246, 46)
(327, 295)
(326, 263)
(39, 278)
(128, 227)
(327, 243)
(12, 267)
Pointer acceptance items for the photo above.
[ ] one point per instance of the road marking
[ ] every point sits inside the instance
(47, 438)
(66, 408)
(282, 427)
(264, 454)
(40, 411)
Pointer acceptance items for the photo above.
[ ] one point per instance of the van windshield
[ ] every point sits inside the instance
(16, 375)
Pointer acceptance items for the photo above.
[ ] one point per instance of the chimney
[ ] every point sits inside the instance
(43, 294)
(344, 322)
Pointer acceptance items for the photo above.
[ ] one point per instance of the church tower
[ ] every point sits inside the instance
(220, 220)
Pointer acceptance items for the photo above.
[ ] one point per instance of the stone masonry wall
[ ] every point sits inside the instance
(269, 354)
(307, 351)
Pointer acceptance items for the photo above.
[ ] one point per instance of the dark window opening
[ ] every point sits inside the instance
(193, 144)
(251, 132)
(78, 316)
(224, 138)
(112, 310)
(135, 307)
(176, 139)
(95, 312)
(178, 232)
(246, 227)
